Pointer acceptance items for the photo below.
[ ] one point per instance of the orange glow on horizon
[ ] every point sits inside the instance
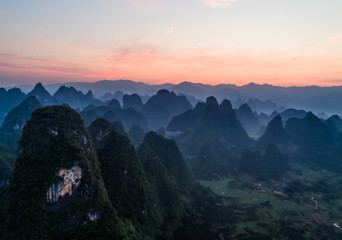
(205, 66)
(284, 43)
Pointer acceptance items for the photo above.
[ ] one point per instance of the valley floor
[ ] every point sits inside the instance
(305, 204)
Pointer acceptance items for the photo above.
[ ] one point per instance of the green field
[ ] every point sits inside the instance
(312, 209)
(221, 188)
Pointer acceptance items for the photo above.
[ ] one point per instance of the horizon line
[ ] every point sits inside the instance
(175, 84)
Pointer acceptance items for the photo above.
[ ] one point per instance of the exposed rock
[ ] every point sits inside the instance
(71, 179)
(93, 215)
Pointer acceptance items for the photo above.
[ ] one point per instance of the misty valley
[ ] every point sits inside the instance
(126, 160)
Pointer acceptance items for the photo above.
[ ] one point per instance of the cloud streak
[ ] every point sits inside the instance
(18, 62)
(169, 30)
(213, 66)
(218, 3)
(335, 39)
(41, 68)
(149, 63)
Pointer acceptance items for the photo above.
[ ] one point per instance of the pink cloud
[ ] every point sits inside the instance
(18, 62)
(169, 30)
(62, 69)
(335, 39)
(239, 67)
(153, 64)
(14, 57)
(218, 3)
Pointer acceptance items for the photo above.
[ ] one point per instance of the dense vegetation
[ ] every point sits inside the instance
(202, 176)
(15, 121)
(271, 165)
(128, 189)
(43, 152)
(8, 155)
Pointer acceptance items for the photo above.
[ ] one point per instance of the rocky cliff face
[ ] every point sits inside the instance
(70, 181)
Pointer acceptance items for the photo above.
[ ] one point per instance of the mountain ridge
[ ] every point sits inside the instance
(291, 96)
(313, 97)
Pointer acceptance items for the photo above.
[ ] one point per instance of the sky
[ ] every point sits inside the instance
(278, 42)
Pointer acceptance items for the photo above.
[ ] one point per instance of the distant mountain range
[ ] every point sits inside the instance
(313, 98)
